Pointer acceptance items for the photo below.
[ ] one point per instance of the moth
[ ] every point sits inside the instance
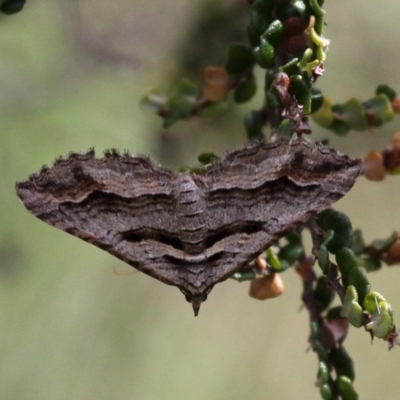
(190, 229)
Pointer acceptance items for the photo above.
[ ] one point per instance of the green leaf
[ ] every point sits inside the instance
(291, 252)
(274, 33)
(352, 113)
(342, 362)
(245, 90)
(340, 128)
(346, 388)
(357, 277)
(379, 110)
(263, 6)
(285, 129)
(322, 294)
(387, 91)
(334, 313)
(340, 224)
(154, 100)
(273, 260)
(370, 264)
(291, 68)
(189, 90)
(320, 349)
(244, 276)
(272, 102)
(358, 244)
(214, 109)
(372, 302)
(299, 6)
(207, 158)
(302, 91)
(324, 116)
(259, 21)
(351, 308)
(265, 54)
(347, 261)
(381, 315)
(323, 258)
(317, 100)
(323, 372)
(240, 58)
(383, 325)
(254, 123)
(180, 103)
(326, 392)
(294, 237)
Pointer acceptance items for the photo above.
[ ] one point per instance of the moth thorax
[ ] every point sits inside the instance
(191, 218)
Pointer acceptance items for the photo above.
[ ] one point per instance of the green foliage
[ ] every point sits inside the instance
(351, 309)
(245, 90)
(286, 41)
(290, 253)
(346, 389)
(356, 115)
(240, 59)
(254, 123)
(340, 226)
(207, 158)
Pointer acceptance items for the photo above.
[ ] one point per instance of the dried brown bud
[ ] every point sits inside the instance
(266, 287)
(373, 168)
(216, 81)
(393, 254)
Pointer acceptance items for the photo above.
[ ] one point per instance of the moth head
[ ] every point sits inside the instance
(196, 298)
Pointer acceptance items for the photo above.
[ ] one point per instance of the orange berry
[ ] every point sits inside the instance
(266, 287)
(373, 168)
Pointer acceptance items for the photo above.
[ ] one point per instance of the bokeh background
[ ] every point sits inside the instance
(75, 323)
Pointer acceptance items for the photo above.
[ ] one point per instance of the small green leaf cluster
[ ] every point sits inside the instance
(179, 105)
(357, 115)
(290, 252)
(239, 65)
(343, 365)
(361, 306)
(326, 340)
(286, 38)
(189, 99)
(186, 100)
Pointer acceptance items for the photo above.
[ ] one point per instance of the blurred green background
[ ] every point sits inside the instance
(75, 323)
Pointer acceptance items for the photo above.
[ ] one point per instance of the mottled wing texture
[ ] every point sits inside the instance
(190, 230)
(256, 194)
(123, 204)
